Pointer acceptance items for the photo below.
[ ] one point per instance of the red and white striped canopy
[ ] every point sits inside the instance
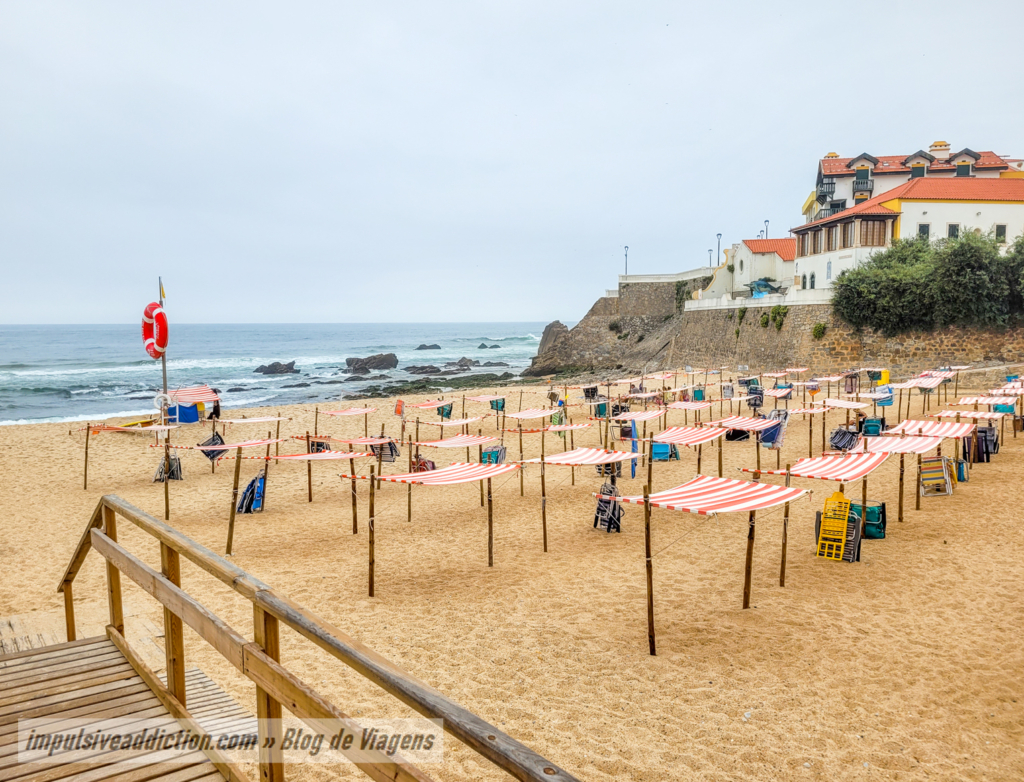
(484, 398)
(778, 393)
(689, 405)
(453, 422)
(796, 370)
(905, 384)
(431, 405)
(360, 440)
(928, 382)
(456, 472)
(193, 394)
(585, 456)
(745, 423)
(566, 427)
(525, 415)
(350, 411)
(644, 395)
(871, 369)
(986, 400)
(263, 420)
(458, 441)
(980, 415)
(832, 468)
(829, 378)
(932, 428)
(811, 410)
(660, 376)
(962, 367)
(707, 495)
(135, 429)
(1008, 390)
(774, 374)
(734, 399)
(844, 403)
(641, 415)
(897, 444)
(322, 456)
(873, 395)
(939, 373)
(229, 446)
(689, 435)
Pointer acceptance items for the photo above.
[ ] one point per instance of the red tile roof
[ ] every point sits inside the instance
(894, 164)
(932, 189)
(784, 248)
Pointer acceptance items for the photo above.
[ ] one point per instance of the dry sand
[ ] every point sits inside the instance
(906, 666)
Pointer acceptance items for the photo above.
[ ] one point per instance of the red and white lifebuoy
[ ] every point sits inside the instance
(154, 330)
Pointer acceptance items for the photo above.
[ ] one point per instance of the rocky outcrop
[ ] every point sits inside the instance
(494, 364)
(429, 347)
(485, 346)
(363, 366)
(426, 369)
(550, 354)
(277, 368)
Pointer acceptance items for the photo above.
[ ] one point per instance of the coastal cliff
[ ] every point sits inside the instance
(643, 333)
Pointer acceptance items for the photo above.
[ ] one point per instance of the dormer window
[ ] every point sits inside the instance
(917, 171)
(863, 173)
(963, 169)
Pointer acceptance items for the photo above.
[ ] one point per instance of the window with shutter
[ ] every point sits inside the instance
(1000, 233)
(923, 230)
(917, 171)
(953, 230)
(963, 169)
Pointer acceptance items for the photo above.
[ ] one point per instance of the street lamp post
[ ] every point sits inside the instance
(718, 257)
(627, 260)
(709, 258)
(765, 229)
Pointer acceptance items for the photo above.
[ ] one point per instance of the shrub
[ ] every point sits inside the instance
(741, 313)
(764, 320)
(737, 333)
(819, 330)
(624, 335)
(779, 315)
(615, 327)
(731, 314)
(731, 267)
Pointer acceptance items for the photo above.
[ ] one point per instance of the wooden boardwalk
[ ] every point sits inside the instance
(92, 679)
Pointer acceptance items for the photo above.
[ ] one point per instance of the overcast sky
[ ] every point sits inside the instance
(433, 161)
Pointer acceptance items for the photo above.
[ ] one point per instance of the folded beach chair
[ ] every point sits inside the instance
(176, 472)
(216, 439)
(837, 531)
(756, 399)
(875, 521)
(251, 500)
(445, 411)
(774, 437)
(423, 465)
(664, 452)
(493, 455)
(872, 427)
(319, 446)
(935, 477)
(610, 469)
(842, 440)
(609, 513)
(590, 393)
(737, 435)
(498, 405)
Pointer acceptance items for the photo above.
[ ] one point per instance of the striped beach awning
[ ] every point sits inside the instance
(322, 456)
(644, 395)
(689, 406)
(1008, 390)
(458, 441)
(913, 444)
(981, 415)
(689, 435)
(453, 422)
(844, 403)
(774, 374)
(262, 420)
(986, 400)
(811, 410)
(97, 428)
(796, 370)
(485, 398)
(928, 381)
(779, 393)
(431, 405)
(231, 446)
(456, 472)
(355, 440)
(932, 428)
(566, 427)
(874, 395)
(831, 468)
(350, 411)
(581, 456)
(829, 378)
(745, 423)
(193, 394)
(707, 495)
(944, 374)
(525, 415)
(640, 415)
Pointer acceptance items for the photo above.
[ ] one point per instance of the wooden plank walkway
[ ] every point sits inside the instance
(92, 679)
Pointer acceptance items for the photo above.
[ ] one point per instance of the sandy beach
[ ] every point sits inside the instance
(906, 666)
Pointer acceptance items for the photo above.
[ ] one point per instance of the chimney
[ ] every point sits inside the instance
(939, 150)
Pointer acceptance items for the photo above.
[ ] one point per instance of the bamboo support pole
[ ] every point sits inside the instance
(543, 502)
(85, 471)
(234, 501)
(355, 497)
(370, 524)
(750, 561)
(650, 570)
(785, 535)
(490, 526)
(309, 468)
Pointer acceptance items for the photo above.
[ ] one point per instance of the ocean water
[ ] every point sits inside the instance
(76, 373)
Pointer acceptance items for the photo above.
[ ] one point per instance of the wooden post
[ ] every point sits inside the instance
(370, 513)
(268, 710)
(572, 447)
(69, 612)
(309, 468)
(757, 447)
(720, 439)
(543, 501)
(174, 643)
(917, 504)
(355, 503)
(480, 459)
(785, 535)
(899, 516)
(266, 473)
(520, 402)
(824, 416)
(521, 492)
(113, 574)
(810, 434)
(650, 463)
(698, 457)
(490, 526)
(277, 445)
(750, 561)
(316, 422)
(899, 406)
(167, 477)
(464, 410)
(366, 426)
(650, 570)
(85, 472)
(380, 454)
(863, 505)
(234, 501)
(408, 498)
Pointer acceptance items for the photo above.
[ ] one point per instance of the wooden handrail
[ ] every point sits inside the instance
(493, 744)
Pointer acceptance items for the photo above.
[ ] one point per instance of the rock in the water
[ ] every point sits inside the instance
(546, 361)
(277, 368)
(493, 347)
(426, 369)
(467, 362)
(429, 347)
(297, 385)
(236, 388)
(378, 361)
(494, 364)
(482, 346)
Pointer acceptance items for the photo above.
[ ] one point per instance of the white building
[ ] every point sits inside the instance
(845, 182)
(756, 259)
(926, 206)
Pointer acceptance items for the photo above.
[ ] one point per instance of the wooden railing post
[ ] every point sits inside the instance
(268, 710)
(69, 612)
(174, 642)
(113, 574)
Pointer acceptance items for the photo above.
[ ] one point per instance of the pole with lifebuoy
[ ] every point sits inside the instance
(154, 339)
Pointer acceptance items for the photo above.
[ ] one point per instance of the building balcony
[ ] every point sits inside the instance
(821, 214)
(863, 185)
(826, 190)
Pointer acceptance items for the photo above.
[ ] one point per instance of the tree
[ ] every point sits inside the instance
(970, 285)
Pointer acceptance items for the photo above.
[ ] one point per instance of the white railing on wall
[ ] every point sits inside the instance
(792, 297)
